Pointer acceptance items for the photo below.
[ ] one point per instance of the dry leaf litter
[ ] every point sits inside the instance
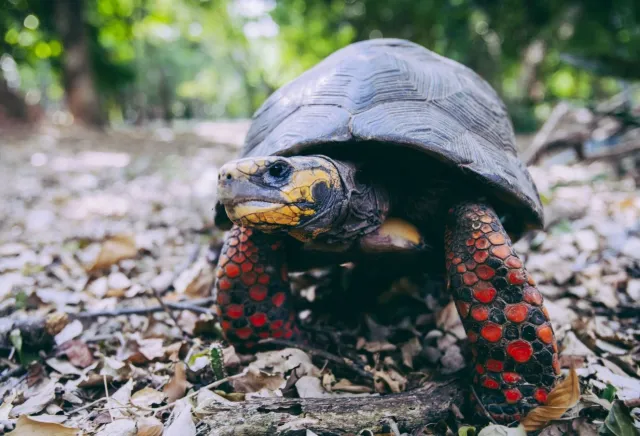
(121, 224)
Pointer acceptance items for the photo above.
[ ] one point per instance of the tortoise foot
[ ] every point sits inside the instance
(515, 355)
(253, 289)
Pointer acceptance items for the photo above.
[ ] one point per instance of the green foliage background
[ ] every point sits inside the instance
(221, 58)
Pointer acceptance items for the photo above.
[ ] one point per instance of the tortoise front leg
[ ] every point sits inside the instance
(253, 288)
(515, 355)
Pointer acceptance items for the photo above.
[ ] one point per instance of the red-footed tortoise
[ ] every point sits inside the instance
(385, 148)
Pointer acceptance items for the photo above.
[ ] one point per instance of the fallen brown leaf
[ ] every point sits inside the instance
(77, 352)
(149, 426)
(30, 426)
(564, 396)
(255, 380)
(147, 397)
(113, 250)
(177, 386)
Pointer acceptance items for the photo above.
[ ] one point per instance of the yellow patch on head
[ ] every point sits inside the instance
(302, 182)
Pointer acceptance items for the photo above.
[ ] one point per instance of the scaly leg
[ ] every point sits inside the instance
(515, 355)
(253, 288)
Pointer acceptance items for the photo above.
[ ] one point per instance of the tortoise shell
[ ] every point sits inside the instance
(398, 93)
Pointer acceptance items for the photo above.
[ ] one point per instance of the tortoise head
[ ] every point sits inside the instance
(301, 195)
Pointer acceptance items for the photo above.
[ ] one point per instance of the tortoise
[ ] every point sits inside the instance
(388, 149)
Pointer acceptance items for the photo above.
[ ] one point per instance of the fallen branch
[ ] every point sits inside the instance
(38, 333)
(409, 411)
(617, 152)
(539, 142)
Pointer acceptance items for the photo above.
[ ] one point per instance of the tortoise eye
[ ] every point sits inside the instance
(277, 170)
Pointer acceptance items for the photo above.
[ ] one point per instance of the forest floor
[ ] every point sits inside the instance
(115, 231)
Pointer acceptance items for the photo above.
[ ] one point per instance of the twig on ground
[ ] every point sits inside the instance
(192, 306)
(13, 372)
(169, 312)
(321, 353)
(106, 393)
(536, 146)
(86, 406)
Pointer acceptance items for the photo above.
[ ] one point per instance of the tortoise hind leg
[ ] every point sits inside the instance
(515, 359)
(253, 288)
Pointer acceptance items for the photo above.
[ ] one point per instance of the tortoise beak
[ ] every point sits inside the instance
(241, 197)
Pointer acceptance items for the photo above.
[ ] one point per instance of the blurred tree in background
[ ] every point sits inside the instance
(138, 60)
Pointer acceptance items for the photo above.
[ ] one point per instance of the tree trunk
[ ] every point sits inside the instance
(409, 411)
(79, 84)
(12, 105)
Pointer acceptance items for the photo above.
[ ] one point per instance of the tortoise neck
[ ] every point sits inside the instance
(361, 210)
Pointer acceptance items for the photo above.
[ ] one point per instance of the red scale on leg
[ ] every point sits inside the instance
(463, 308)
(238, 258)
(494, 365)
(512, 395)
(545, 334)
(511, 377)
(516, 312)
(516, 277)
(258, 292)
(490, 383)
(491, 332)
(480, 313)
(540, 395)
(469, 278)
(235, 311)
(520, 351)
(481, 256)
(224, 284)
(494, 329)
(484, 292)
(482, 243)
(501, 251)
(279, 299)
(223, 298)
(513, 262)
(249, 278)
(244, 332)
(258, 319)
(532, 296)
(232, 270)
(485, 272)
